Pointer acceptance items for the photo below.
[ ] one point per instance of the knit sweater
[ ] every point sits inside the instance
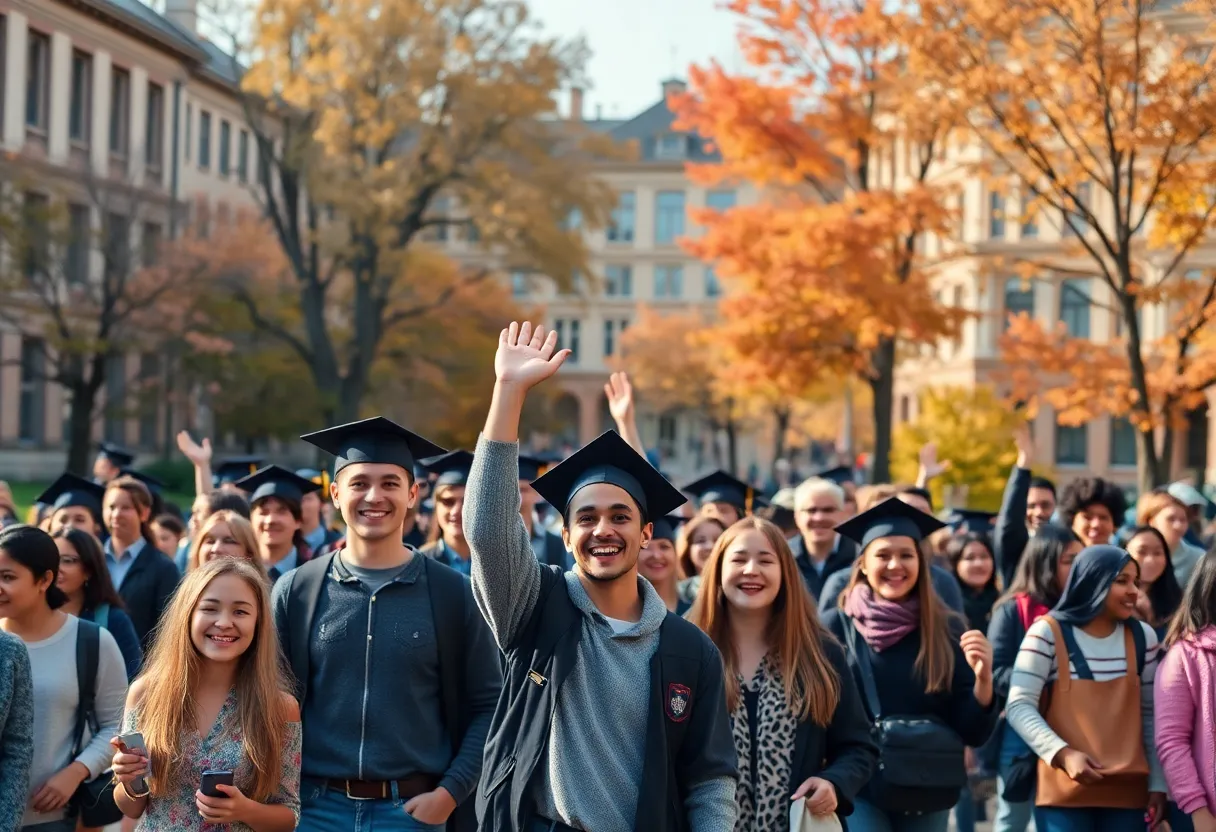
(16, 730)
(592, 766)
(1186, 721)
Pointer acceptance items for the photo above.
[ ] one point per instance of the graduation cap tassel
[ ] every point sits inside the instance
(749, 500)
(325, 483)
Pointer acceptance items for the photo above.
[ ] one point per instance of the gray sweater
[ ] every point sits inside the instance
(16, 730)
(593, 760)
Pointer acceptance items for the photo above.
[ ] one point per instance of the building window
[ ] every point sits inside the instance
(204, 139)
(613, 330)
(38, 81)
(225, 145)
(668, 217)
(671, 146)
(996, 216)
(120, 112)
(149, 379)
(1074, 306)
(1122, 442)
(80, 115)
(150, 242)
(36, 234)
(1072, 444)
(31, 416)
(118, 245)
(618, 281)
(668, 281)
(189, 130)
(116, 397)
(80, 243)
(154, 152)
(242, 156)
(620, 229)
(668, 435)
(713, 287)
(520, 285)
(568, 332)
(1019, 298)
(721, 200)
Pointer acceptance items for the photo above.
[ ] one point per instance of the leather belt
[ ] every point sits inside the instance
(407, 787)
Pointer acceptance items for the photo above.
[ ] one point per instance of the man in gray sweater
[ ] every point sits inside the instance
(613, 717)
(16, 730)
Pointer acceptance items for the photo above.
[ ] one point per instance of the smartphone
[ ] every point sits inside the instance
(211, 779)
(134, 741)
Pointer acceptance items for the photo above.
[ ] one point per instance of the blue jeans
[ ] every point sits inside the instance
(1010, 817)
(964, 811)
(323, 810)
(1055, 819)
(867, 817)
(1180, 821)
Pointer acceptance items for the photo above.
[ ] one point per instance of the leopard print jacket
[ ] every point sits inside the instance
(763, 805)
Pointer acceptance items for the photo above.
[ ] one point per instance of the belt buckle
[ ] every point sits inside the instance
(383, 790)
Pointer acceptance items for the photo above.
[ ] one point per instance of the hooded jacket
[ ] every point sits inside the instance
(1185, 730)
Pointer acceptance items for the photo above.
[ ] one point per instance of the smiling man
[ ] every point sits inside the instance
(275, 499)
(396, 672)
(819, 551)
(613, 718)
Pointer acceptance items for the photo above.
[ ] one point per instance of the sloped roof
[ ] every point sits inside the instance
(142, 16)
(648, 126)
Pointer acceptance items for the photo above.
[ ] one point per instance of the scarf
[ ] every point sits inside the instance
(882, 623)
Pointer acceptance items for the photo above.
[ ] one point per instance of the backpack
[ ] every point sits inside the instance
(93, 801)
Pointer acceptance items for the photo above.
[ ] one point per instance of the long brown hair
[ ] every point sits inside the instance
(795, 636)
(935, 661)
(435, 533)
(141, 498)
(242, 532)
(684, 544)
(171, 675)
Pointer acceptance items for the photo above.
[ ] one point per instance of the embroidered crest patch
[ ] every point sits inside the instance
(679, 700)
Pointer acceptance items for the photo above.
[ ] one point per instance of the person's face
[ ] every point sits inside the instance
(701, 544)
(818, 517)
(849, 509)
(225, 619)
(1146, 550)
(20, 589)
(891, 566)
(104, 470)
(1040, 505)
(917, 502)
(528, 498)
(219, 542)
(1064, 564)
(448, 511)
(374, 498)
(975, 567)
(1094, 525)
(1124, 592)
(72, 571)
(310, 510)
(1172, 522)
(724, 512)
(122, 516)
(166, 539)
(604, 532)
(198, 514)
(751, 572)
(77, 517)
(274, 523)
(657, 562)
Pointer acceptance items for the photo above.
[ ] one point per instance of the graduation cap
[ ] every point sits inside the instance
(321, 478)
(665, 528)
(154, 486)
(71, 490)
(276, 481)
(609, 459)
(890, 518)
(451, 468)
(116, 455)
(234, 467)
(531, 467)
(973, 520)
(840, 475)
(374, 440)
(721, 487)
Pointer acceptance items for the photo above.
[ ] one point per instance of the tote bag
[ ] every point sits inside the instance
(801, 819)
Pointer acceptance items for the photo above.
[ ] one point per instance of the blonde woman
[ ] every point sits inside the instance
(1168, 515)
(213, 696)
(226, 534)
(693, 548)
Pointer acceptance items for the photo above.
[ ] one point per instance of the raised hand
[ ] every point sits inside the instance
(1025, 445)
(930, 465)
(193, 451)
(527, 356)
(620, 398)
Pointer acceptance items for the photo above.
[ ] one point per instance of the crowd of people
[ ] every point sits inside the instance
(578, 646)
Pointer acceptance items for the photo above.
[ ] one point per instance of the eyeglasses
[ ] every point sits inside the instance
(69, 560)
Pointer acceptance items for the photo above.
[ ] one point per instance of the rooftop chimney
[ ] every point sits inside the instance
(576, 103)
(673, 86)
(184, 13)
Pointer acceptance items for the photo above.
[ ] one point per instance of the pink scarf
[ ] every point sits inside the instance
(880, 622)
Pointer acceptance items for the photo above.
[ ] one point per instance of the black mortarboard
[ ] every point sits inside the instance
(234, 468)
(890, 518)
(71, 490)
(721, 487)
(609, 459)
(374, 440)
(531, 467)
(839, 475)
(276, 481)
(154, 485)
(118, 456)
(665, 529)
(451, 468)
(971, 520)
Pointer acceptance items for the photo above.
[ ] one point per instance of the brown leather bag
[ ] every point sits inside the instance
(1101, 719)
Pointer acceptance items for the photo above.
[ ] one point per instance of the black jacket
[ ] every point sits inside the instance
(679, 754)
(555, 551)
(839, 560)
(146, 590)
(1010, 535)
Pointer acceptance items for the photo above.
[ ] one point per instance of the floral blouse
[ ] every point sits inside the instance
(219, 750)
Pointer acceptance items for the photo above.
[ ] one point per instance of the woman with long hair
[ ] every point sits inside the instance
(1037, 585)
(657, 563)
(973, 564)
(1093, 736)
(445, 541)
(225, 534)
(693, 548)
(1169, 515)
(798, 722)
(85, 581)
(203, 507)
(1160, 595)
(31, 609)
(144, 579)
(215, 696)
(904, 645)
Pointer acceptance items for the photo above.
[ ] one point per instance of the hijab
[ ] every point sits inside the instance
(1093, 572)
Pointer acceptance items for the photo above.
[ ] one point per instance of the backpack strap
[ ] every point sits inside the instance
(447, 595)
(1080, 666)
(1141, 644)
(860, 654)
(306, 586)
(88, 655)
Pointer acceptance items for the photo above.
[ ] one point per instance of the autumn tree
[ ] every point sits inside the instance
(827, 274)
(84, 282)
(1096, 122)
(381, 128)
(973, 430)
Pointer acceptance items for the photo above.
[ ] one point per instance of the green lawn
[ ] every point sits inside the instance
(25, 492)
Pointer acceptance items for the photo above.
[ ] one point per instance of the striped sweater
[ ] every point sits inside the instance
(1107, 658)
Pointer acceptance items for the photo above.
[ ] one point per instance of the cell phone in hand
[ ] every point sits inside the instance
(134, 741)
(211, 779)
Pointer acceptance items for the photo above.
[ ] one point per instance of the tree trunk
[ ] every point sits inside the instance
(882, 382)
(732, 447)
(83, 400)
(782, 417)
